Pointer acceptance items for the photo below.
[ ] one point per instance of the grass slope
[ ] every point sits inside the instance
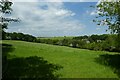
(77, 63)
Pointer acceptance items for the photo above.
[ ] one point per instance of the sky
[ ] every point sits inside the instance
(51, 19)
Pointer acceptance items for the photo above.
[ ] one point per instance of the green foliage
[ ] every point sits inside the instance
(103, 42)
(118, 43)
(74, 43)
(111, 60)
(65, 42)
(81, 37)
(109, 14)
(20, 36)
(5, 8)
(94, 38)
(81, 44)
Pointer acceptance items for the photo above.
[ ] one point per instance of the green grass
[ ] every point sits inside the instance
(57, 38)
(77, 63)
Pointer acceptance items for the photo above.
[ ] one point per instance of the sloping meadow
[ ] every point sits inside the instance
(67, 62)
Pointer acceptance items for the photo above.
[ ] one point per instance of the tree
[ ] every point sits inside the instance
(109, 14)
(94, 38)
(5, 8)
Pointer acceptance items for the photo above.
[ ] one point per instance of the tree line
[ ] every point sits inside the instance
(19, 36)
(104, 42)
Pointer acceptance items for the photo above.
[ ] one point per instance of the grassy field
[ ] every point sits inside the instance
(57, 38)
(77, 63)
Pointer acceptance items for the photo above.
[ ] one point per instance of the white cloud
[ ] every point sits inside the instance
(93, 13)
(64, 12)
(45, 19)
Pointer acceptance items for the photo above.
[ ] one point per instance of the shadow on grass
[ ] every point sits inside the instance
(110, 60)
(6, 48)
(33, 67)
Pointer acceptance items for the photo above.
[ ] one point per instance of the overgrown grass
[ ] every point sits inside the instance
(77, 63)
